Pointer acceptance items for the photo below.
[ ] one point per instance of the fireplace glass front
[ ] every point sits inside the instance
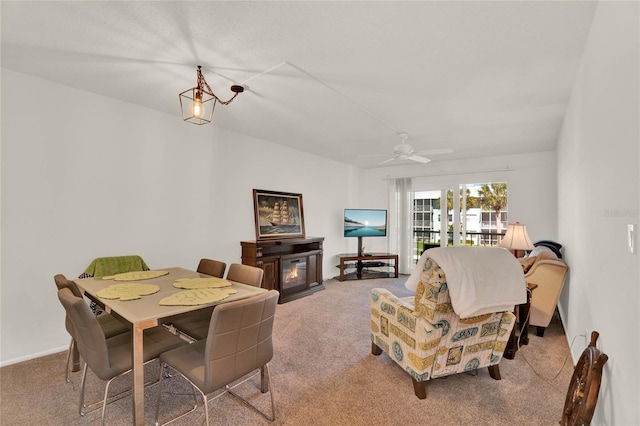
(294, 272)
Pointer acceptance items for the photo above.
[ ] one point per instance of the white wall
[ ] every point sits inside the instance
(599, 194)
(531, 182)
(85, 176)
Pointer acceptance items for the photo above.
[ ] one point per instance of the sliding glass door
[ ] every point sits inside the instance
(466, 214)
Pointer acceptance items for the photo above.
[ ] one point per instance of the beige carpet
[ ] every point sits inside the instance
(323, 374)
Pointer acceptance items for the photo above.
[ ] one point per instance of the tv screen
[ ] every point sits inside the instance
(365, 223)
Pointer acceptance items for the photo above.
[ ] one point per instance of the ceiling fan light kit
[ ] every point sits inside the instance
(198, 103)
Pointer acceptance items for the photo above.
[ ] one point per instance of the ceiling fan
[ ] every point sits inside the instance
(405, 151)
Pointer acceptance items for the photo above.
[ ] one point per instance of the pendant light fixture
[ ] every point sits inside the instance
(197, 104)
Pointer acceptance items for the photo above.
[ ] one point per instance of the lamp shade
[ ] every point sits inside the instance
(516, 238)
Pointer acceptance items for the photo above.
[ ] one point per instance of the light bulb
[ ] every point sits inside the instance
(196, 107)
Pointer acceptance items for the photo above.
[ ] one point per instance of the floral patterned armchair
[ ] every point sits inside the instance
(428, 339)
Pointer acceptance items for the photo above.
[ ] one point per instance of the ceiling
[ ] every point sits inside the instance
(335, 79)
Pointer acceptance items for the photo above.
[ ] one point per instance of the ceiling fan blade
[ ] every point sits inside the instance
(435, 151)
(419, 159)
(372, 155)
(388, 160)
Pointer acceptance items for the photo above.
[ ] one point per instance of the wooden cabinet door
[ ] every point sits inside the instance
(271, 274)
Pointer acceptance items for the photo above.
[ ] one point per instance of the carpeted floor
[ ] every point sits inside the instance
(323, 374)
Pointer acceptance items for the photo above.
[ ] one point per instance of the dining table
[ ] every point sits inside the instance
(147, 312)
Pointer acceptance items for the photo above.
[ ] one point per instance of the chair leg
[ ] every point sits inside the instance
(540, 331)
(73, 351)
(494, 372)
(104, 401)
(375, 349)
(195, 399)
(264, 382)
(267, 376)
(159, 393)
(420, 388)
(82, 386)
(247, 403)
(206, 408)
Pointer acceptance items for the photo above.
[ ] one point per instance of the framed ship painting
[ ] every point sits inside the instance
(278, 214)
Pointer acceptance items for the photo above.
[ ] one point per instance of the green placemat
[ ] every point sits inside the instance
(136, 275)
(197, 297)
(127, 291)
(195, 283)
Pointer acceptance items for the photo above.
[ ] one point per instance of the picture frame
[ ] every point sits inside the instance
(278, 214)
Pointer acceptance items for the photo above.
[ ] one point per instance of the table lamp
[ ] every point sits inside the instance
(516, 238)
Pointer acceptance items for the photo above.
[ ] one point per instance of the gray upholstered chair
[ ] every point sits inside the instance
(196, 324)
(109, 358)
(239, 342)
(110, 325)
(245, 274)
(215, 268)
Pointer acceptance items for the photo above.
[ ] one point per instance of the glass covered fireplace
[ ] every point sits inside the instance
(291, 266)
(294, 273)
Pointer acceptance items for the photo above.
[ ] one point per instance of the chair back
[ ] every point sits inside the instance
(89, 337)
(239, 339)
(62, 282)
(215, 268)
(245, 274)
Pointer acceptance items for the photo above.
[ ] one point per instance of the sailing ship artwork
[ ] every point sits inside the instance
(278, 214)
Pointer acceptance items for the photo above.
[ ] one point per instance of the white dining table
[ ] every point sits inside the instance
(147, 312)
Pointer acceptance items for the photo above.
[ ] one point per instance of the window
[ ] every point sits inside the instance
(480, 219)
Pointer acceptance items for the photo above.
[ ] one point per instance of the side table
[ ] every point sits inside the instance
(520, 330)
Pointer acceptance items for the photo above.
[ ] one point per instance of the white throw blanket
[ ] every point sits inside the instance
(481, 280)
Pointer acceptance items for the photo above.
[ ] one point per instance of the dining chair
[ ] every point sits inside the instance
(239, 341)
(245, 274)
(112, 357)
(110, 325)
(196, 325)
(215, 268)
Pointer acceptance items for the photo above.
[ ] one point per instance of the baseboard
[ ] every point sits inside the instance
(34, 356)
(574, 359)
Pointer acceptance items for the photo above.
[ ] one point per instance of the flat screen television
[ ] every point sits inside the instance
(365, 223)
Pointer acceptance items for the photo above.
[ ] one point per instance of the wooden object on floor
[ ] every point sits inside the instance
(291, 266)
(582, 395)
(520, 333)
